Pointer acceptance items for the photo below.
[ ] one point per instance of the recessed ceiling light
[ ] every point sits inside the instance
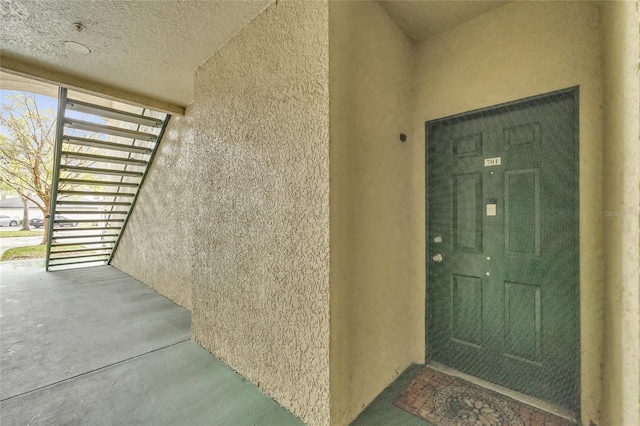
(77, 47)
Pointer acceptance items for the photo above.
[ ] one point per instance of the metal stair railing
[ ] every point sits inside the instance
(100, 164)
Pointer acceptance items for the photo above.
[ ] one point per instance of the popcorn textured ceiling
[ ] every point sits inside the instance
(151, 48)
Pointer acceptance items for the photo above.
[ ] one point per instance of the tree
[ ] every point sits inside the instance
(27, 146)
(25, 212)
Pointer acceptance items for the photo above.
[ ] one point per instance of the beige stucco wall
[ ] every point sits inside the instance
(261, 220)
(251, 158)
(374, 320)
(233, 219)
(156, 247)
(520, 50)
(621, 62)
(10, 81)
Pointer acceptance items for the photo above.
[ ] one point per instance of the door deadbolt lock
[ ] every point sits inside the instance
(437, 258)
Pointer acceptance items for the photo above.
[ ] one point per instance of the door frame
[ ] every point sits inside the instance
(574, 92)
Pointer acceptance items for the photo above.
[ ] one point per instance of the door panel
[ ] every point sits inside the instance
(467, 212)
(522, 212)
(522, 321)
(502, 304)
(466, 310)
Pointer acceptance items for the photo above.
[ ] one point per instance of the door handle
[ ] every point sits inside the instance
(437, 258)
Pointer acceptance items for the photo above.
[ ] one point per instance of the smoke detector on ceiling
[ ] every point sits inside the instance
(77, 47)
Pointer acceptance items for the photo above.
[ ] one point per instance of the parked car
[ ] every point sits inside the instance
(8, 220)
(39, 222)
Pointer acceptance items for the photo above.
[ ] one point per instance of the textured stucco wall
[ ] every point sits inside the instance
(374, 320)
(519, 50)
(156, 247)
(621, 66)
(261, 224)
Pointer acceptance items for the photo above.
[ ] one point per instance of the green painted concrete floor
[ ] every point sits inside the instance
(94, 346)
(381, 411)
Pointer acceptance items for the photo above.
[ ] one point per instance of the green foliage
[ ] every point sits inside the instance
(29, 252)
(35, 252)
(14, 234)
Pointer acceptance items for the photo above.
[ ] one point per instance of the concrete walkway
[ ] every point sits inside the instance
(96, 347)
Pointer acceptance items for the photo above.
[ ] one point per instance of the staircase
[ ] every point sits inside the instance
(101, 159)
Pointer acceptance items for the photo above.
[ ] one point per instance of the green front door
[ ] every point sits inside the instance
(502, 245)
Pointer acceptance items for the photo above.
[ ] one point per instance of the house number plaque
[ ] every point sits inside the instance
(496, 161)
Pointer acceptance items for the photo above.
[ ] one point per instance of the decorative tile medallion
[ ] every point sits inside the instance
(449, 401)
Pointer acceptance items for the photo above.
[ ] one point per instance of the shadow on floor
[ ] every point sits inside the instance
(381, 411)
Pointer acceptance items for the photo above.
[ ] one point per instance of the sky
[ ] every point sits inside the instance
(47, 103)
(44, 102)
